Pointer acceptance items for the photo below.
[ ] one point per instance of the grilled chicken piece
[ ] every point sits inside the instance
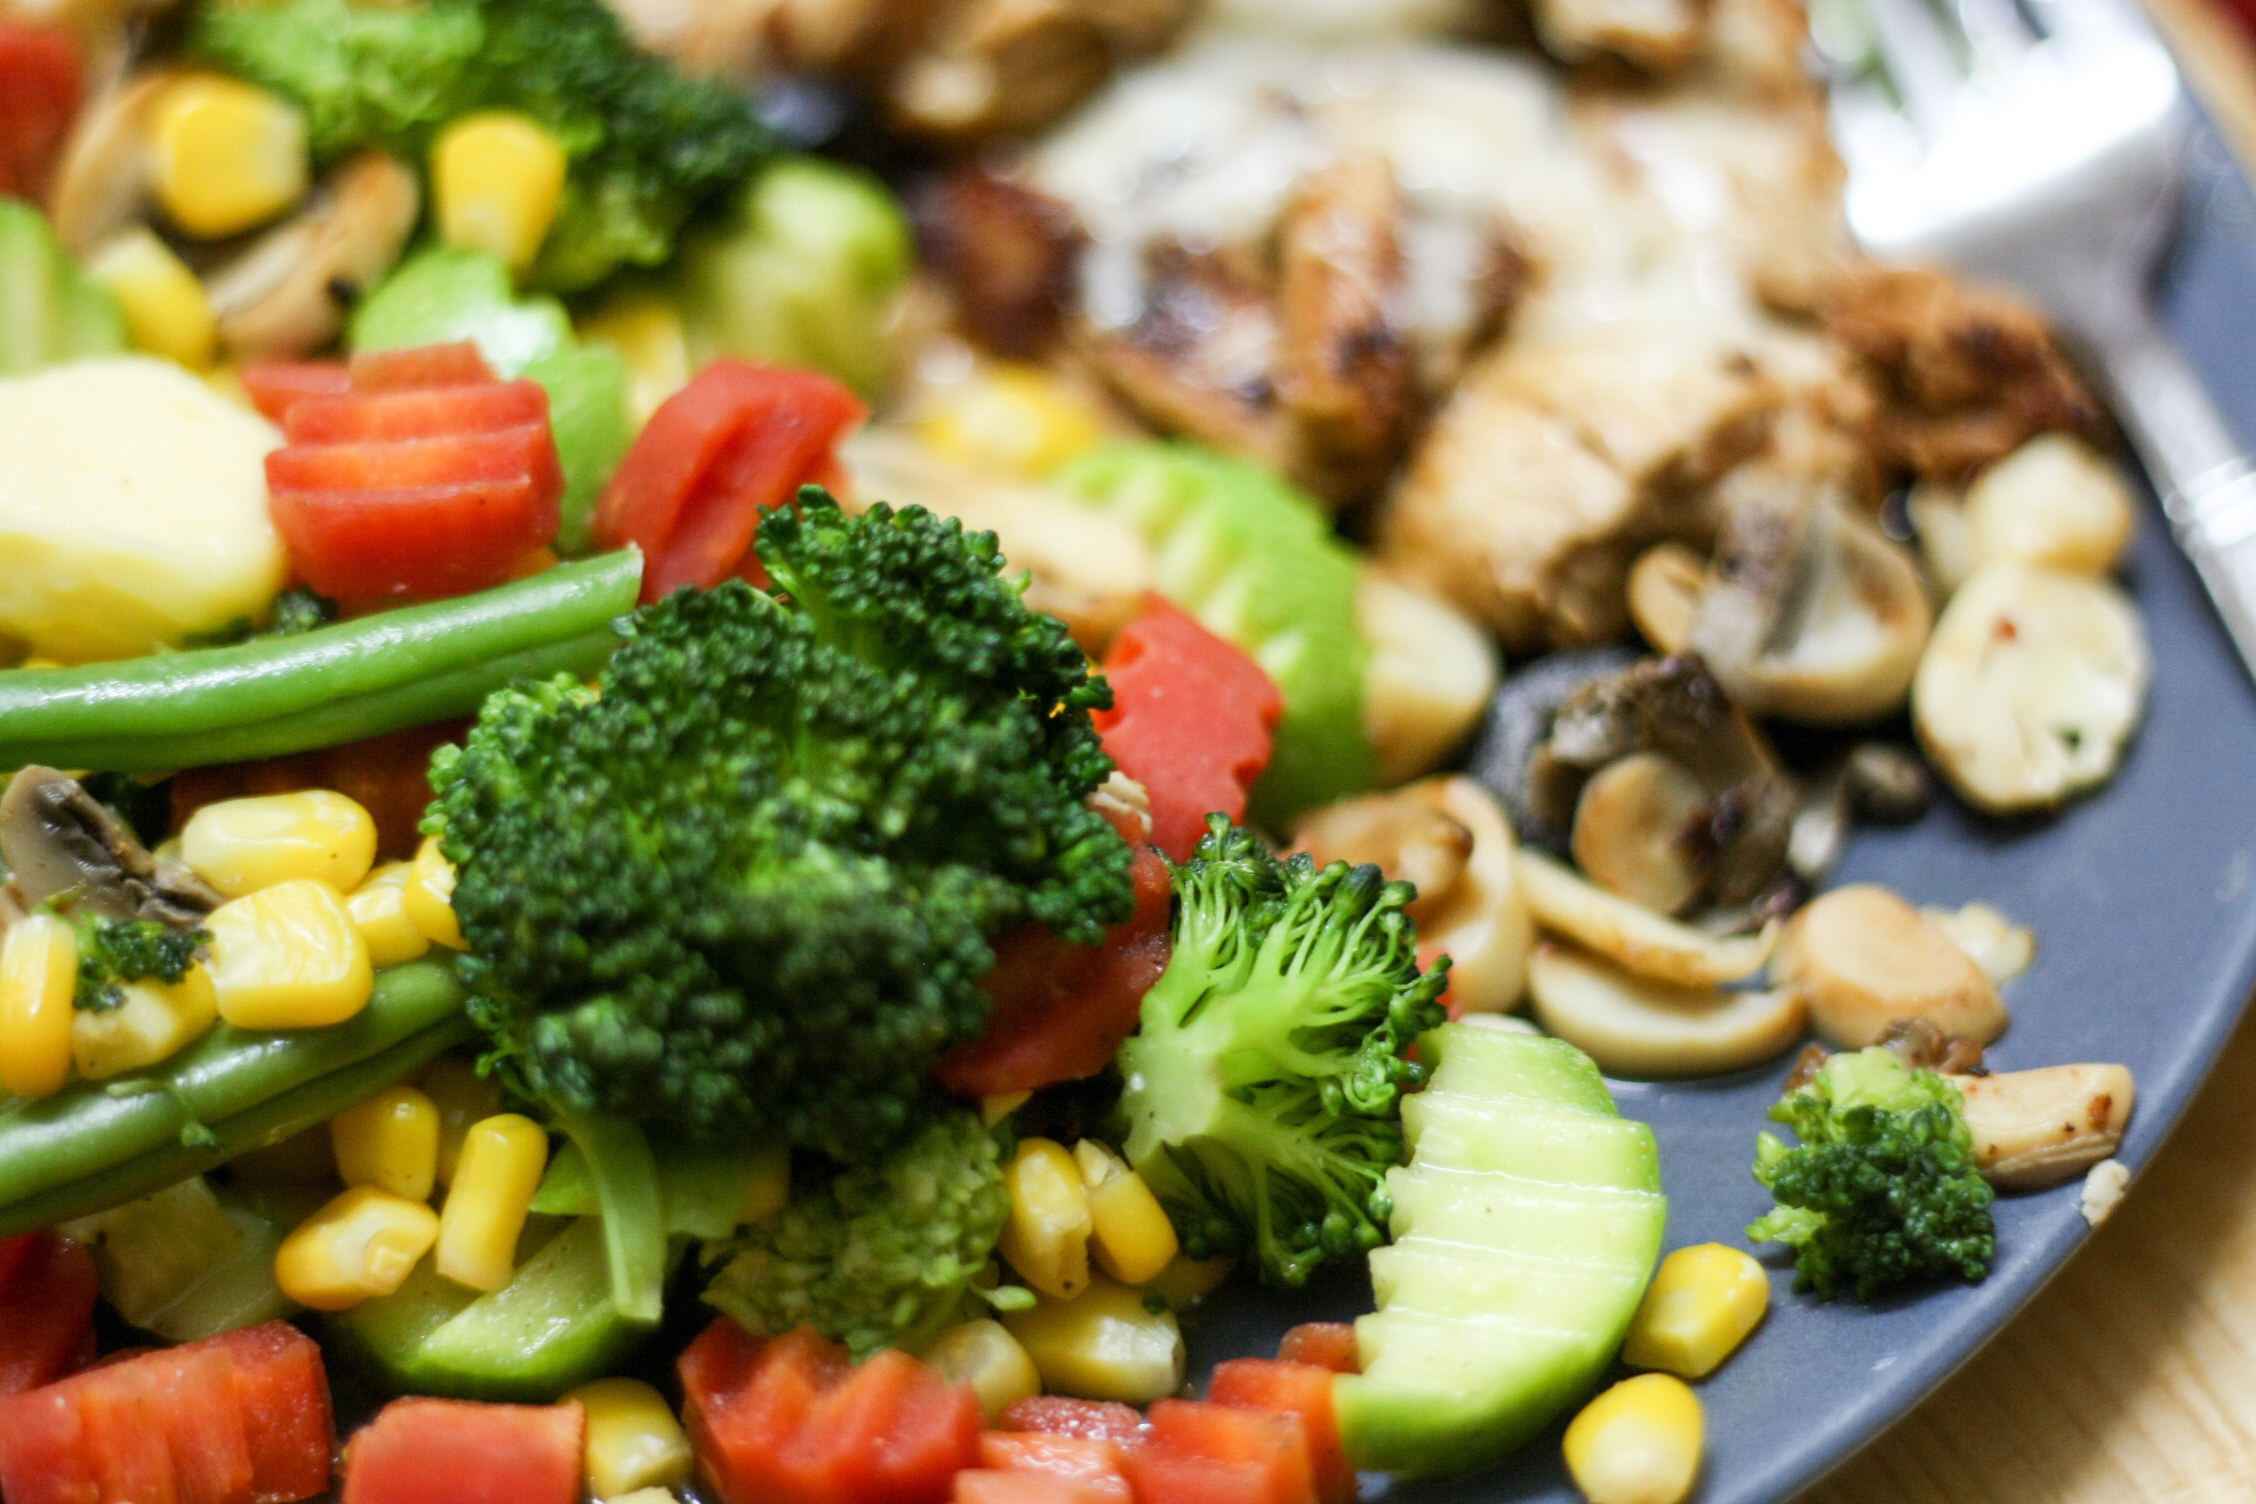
(1658, 35)
(1005, 252)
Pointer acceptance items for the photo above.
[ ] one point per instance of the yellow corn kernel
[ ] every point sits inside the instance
(1129, 1235)
(464, 1098)
(633, 1440)
(1104, 1344)
(993, 1109)
(228, 156)
(379, 911)
(153, 1021)
(289, 957)
(1046, 1236)
(496, 179)
(1638, 1443)
(429, 895)
(647, 331)
(1702, 1304)
(502, 1160)
(242, 845)
(361, 1245)
(38, 976)
(166, 311)
(986, 1356)
(1187, 1281)
(390, 1141)
(1012, 417)
(770, 1191)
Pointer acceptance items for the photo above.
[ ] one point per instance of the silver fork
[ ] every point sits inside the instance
(2040, 143)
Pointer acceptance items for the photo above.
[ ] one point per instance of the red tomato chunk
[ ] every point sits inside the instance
(1086, 1468)
(1327, 1344)
(47, 1289)
(1055, 1415)
(420, 1451)
(1216, 1454)
(792, 1421)
(1301, 1389)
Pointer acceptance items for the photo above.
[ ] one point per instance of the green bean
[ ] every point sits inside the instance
(338, 683)
(48, 1147)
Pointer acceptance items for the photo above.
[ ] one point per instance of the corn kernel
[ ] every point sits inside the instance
(770, 1191)
(228, 156)
(502, 1161)
(497, 179)
(242, 845)
(1638, 1443)
(633, 1440)
(38, 977)
(647, 332)
(379, 911)
(986, 1356)
(429, 896)
(1013, 418)
(1702, 1304)
(289, 957)
(1000, 1105)
(166, 311)
(390, 1141)
(361, 1245)
(1104, 1344)
(1046, 1237)
(1187, 1281)
(1129, 1235)
(152, 1021)
(464, 1098)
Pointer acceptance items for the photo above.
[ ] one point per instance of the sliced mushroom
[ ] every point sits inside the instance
(1875, 782)
(1917, 1042)
(1638, 830)
(103, 181)
(1512, 755)
(57, 839)
(1809, 612)
(2032, 686)
(288, 294)
(1449, 836)
(2052, 502)
(1993, 942)
(2038, 1128)
(1635, 1026)
(1430, 676)
(1645, 943)
(1664, 595)
(1863, 959)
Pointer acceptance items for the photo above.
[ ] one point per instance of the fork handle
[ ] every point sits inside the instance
(2205, 476)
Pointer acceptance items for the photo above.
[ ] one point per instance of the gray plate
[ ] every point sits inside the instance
(2144, 903)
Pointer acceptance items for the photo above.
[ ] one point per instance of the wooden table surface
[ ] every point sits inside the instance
(2132, 1378)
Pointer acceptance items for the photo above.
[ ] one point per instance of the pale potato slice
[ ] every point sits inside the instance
(2052, 502)
(2032, 684)
(1635, 1026)
(1429, 678)
(132, 510)
(1863, 959)
(1647, 944)
(2038, 1128)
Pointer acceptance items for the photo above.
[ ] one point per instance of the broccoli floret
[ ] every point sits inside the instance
(113, 952)
(647, 145)
(884, 1254)
(1882, 1189)
(1264, 1087)
(746, 885)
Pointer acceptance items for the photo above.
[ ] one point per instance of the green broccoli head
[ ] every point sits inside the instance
(1264, 1087)
(647, 145)
(746, 884)
(112, 952)
(884, 1254)
(1882, 1189)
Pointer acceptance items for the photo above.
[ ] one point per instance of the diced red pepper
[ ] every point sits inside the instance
(1091, 1465)
(1190, 720)
(415, 413)
(986, 1486)
(41, 81)
(47, 1290)
(420, 1450)
(791, 1421)
(1056, 1415)
(455, 364)
(1214, 1454)
(276, 387)
(283, 1391)
(1301, 1389)
(739, 439)
(1327, 1344)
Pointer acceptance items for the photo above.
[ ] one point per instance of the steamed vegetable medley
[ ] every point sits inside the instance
(714, 843)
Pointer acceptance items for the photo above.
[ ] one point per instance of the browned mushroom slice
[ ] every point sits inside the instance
(1639, 829)
(1664, 595)
(2037, 1128)
(1865, 960)
(289, 293)
(970, 69)
(1636, 1026)
(56, 839)
(1633, 936)
(1005, 252)
(103, 180)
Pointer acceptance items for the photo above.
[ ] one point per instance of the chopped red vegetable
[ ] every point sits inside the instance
(792, 1421)
(1190, 720)
(1216, 1454)
(276, 386)
(738, 439)
(1301, 1389)
(425, 477)
(41, 80)
(987, 1486)
(1062, 1010)
(420, 1450)
(238, 1419)
(1087, 1467)
(1056, 1415)
(47, 1288)
(1327, 1344)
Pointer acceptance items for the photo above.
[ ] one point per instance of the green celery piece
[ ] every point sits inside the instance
(704, 1187)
